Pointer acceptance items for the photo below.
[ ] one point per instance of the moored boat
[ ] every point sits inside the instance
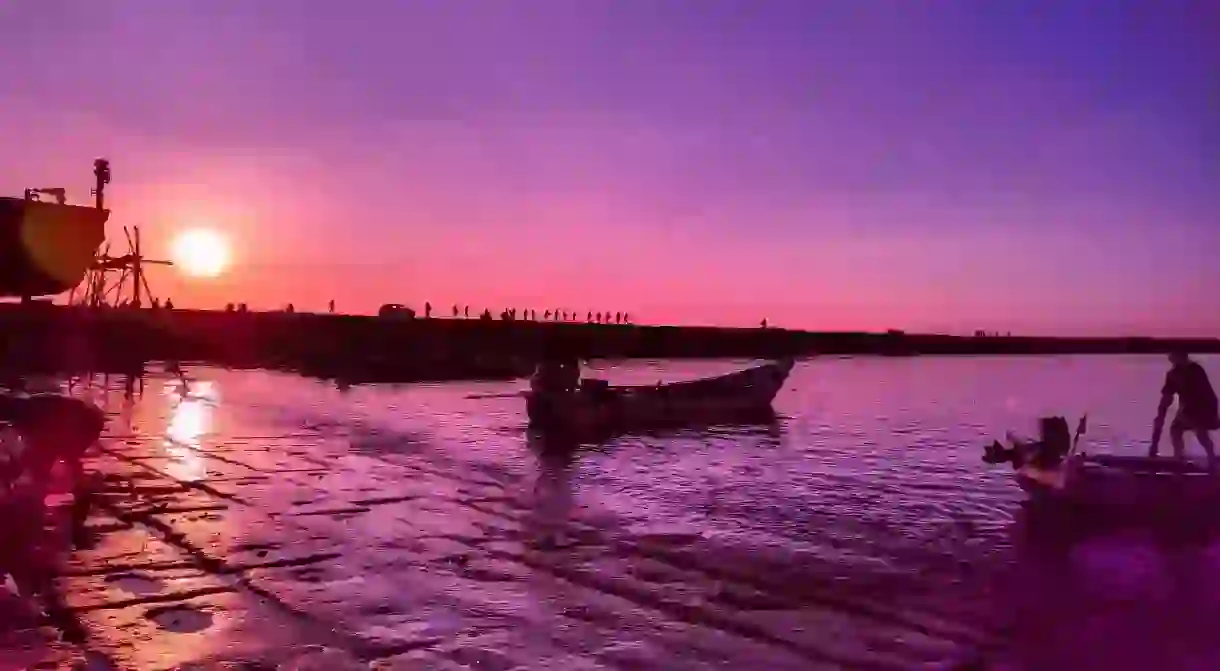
(1053, 470)
(47, 247)
(1116, 481)
(595, 407)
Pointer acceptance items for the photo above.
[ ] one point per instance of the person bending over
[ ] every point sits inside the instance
(54, 429)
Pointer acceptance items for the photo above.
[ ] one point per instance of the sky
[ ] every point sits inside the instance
(950, 165)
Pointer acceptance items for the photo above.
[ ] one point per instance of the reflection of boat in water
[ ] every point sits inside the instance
(47, 247)
(758, 422)
(595, 407)
(1133, 595)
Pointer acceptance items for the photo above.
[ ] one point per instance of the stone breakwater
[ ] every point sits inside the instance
(291, 552)
(373, 349)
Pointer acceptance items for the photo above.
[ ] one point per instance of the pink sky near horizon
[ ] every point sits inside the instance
(940, 185)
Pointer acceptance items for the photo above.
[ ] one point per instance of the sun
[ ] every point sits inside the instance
(201, 252)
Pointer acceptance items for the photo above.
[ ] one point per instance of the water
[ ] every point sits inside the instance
(860, 530)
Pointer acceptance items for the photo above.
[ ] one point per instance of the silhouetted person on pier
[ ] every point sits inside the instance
(546, 315)
(331, 306)
(455, 311)
(169, 304)
(290, 309)
(229, 307)
(618, 318)
(1197, 408)
(763, 323)
(626, 318)
(466, 312)
(589, 318)
(241, 307)
(427, 310)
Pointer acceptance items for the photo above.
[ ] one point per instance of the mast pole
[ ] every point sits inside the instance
(101, 171)
(137, 268)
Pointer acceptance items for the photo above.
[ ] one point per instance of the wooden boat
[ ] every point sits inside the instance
(46, 248)
(597, 407)
(1149, 483)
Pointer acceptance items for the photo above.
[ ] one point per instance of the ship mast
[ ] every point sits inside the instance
(101, 172)
(115, 280)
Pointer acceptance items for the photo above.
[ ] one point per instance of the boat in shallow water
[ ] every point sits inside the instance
(598, 408)
(1116, 481)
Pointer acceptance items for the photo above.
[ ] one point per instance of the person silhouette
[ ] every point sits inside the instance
(1197, 408)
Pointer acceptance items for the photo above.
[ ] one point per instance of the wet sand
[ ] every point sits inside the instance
(287, 525)
(285, 546)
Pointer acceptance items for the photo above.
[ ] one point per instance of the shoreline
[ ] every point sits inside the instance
(358, 348)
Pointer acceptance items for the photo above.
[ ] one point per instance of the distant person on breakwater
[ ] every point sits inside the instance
(427, 310)
(455, 311)
(1197, 408)
(331, 306)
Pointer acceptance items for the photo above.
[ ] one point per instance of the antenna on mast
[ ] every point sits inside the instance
(101, 171)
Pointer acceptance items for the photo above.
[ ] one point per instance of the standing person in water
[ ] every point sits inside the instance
(1197, 407)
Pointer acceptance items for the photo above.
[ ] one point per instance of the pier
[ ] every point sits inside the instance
(358, 348)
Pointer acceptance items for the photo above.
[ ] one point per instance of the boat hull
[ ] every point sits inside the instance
(746, 393)
(1124, 482)
(46, 248)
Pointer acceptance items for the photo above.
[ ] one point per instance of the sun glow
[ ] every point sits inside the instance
(201, 252)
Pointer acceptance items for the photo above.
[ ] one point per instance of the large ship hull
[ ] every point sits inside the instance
(46, 248)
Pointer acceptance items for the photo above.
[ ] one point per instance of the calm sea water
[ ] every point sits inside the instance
(869, 488)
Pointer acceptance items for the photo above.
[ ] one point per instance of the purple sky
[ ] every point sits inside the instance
(1026, 166)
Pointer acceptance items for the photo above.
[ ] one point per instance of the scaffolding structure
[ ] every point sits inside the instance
(115, 281)
(118, 281)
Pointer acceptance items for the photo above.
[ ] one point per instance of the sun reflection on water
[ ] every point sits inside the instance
(190, 420)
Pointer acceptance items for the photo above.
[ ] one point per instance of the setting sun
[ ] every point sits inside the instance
(201, 252)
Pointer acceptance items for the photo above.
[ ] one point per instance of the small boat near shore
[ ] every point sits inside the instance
(1053, 470)
(595, 407)
(1117, 481)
